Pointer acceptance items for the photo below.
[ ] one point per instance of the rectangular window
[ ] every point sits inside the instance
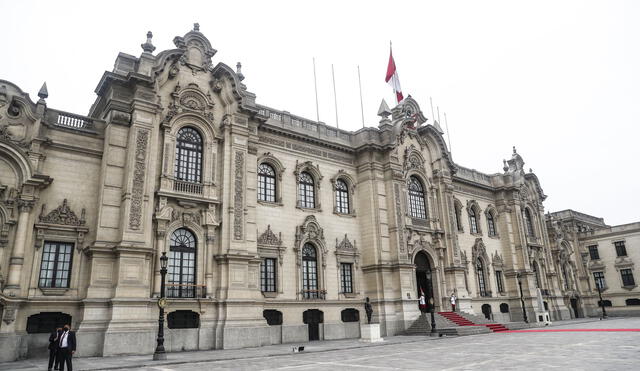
(593, 252)
(56, 264)
(346, 278)
(627, 277)
(599, 278)
(268, 275)
(499, 282)
(621, 250)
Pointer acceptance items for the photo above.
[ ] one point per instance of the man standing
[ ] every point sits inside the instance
(66, 347)
(54, 360)
(454, 298)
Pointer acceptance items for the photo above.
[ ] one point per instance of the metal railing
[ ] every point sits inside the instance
(187, 187)
(185, 291)
(314, 294)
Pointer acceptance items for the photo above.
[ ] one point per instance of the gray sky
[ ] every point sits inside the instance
(557, 79)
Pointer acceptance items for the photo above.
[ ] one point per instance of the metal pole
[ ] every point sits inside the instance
(335, 97)
(433, 319)
(604, 312)
(361, 105)
(315, 84)
(524, 311)
(160, 353)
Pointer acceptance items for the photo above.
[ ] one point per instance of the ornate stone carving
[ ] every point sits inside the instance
(345, 244)
(413, 160)
(62, 215)
(238, 196)
(139, 173)
(310, 231)
(269, 238)
(9, 314)
(479, 251)
(399, 220)
(186, 217)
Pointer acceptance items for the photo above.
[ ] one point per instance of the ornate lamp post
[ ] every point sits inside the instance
(524, 311)
(604, 312)
(433, 318)
(160, 353)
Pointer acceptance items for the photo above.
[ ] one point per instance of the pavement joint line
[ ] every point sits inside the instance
(170, 363)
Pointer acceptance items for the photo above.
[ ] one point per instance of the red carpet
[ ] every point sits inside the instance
(461, 321)
(579, 330)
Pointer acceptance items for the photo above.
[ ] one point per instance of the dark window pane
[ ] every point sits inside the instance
(181, 266)
(266, 183)
(621, 249)
(342, 197)
(188, 161)
(55, 267)
(183, 319)
(346, 277)
(593, 252)
(417, 204)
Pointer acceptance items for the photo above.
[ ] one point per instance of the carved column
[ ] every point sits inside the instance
(17, 257)
(211, 238)
(160, 236)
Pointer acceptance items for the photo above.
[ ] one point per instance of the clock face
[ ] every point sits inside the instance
(162, 302)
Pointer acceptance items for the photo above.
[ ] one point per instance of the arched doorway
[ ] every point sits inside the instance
(424, 277)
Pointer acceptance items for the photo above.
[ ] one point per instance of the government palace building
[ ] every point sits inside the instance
(276, 228)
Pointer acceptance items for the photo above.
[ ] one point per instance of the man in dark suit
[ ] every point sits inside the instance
(66, 347)
(54, 360)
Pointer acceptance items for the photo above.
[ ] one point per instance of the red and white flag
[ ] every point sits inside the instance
(392, 77)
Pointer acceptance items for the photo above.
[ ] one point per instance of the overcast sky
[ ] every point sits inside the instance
(557, 79)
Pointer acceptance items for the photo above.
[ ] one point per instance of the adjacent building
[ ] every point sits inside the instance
(276, 227)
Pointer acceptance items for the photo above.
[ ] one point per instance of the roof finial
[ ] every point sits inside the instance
(43, 93)
(148, 47)
(505, 167)
(196, 27)
(239, 71)
(514, 150)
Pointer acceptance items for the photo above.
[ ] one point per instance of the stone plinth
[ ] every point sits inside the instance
(370, 333)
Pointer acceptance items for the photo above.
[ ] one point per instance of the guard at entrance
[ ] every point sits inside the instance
(454, 298)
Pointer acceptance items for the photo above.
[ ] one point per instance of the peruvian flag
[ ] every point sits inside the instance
(392, 77)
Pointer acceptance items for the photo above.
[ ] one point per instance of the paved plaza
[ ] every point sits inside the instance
(576, 346)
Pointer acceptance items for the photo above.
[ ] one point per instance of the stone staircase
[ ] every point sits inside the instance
(463, 320)
(422, 326)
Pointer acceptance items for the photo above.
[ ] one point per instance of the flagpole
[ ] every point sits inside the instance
(335, 97)
(361, 105)
(315, 84)
(446, 124)
(433, 117)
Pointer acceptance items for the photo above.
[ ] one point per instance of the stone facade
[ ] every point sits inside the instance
(603, 252)
(105, 188)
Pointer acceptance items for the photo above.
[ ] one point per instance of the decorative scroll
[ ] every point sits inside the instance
(137, 191)
(345, 244)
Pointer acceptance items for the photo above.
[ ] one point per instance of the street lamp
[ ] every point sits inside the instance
(160, 353)
(433, 319)
(604, 312)
(524, 311)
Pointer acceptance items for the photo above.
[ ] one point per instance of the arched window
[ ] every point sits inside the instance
(491, 224)
(458, 211)
(188, 162)
(306, 191)
(342, 197)
(350, 315)
(536, 274)
(182, 265)
(309, 272)
(273, 317)
(473, 220)
(482, 287)
(504, 308)
(417, 205)
(528, 221)
(266, 183)
(46, 322)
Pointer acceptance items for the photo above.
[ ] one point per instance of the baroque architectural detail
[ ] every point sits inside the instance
(238, 196)
(62, 215)
(269, 238)
(139, 173)
(345, 244)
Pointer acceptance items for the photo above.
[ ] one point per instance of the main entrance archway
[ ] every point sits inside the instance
(424, 277)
